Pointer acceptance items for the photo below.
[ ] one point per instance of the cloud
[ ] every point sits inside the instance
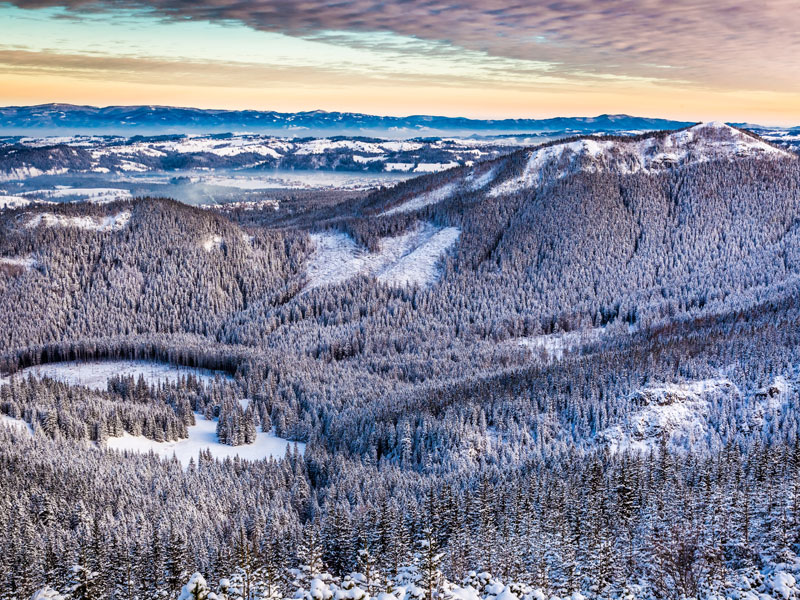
(725, 44)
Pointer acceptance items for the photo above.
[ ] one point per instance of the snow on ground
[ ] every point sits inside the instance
(423, 200)
(25, 263)
(212, 242)
(95, 374)
(481, 181)
(393, 166)
(554, 346)
(109, 223)
(701, 143)
(96, 195)
(28, 172)
(18, 424)
(408, 259)
(680, 411)
(244, 205)
(203, 436)
(434, 167)
(13, 202)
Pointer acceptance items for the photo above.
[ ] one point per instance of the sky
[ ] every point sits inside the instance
(731, 60)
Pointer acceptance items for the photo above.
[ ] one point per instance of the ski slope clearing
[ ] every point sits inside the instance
(95, 374)
(423, 200)
(101, 224)
(203, 436)
(702, 143)
(470, 183)
(406, 260)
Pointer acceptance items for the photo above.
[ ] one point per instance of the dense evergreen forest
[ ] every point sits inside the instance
(596, 397)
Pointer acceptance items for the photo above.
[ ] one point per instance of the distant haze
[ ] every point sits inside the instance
(62, 119)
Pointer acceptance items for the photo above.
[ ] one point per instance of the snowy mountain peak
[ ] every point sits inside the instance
(704, 142)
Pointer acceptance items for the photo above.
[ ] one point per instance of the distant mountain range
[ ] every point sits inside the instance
(47, 119)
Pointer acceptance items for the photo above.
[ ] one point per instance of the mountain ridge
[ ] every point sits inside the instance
(144, 118)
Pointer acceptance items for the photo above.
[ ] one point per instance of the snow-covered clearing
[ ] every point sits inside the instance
(212, 242)
(28, 172)
(698, 144)
(109, 223)
(433, 197)
(408, 259)
(471, 183)
(434, 167)
(679, 411)
(25, 263)
(95, 374)
(96, 195)
(203, 436)
(554, 346)
(13, 202)
(17, 424)
(481, 181)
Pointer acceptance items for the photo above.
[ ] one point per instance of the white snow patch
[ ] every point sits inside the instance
(481, 181)
(109, 223)
(434, 167)
(17, 424)
(96, 195)
(25, 263)
(203, 436)
(554, 346)
(408, 259)
(13, 202)
(212, 242)
(393, 166)
(434, 196)
(782, 584)
(679, 411)
(27, 172)
(95, 374)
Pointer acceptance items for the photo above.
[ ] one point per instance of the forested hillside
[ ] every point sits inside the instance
(572, 370)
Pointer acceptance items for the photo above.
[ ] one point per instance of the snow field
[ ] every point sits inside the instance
(203, 436)
(408, 259)
(433, 197)
(13, 202)
(102, 224)
(95, 374)
(95, 195)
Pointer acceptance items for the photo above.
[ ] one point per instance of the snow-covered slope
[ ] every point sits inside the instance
(13, 201)
(701, 143)
(408, 259)
(473, 182)
(109, 223)
(678, 411)
(423, 200)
